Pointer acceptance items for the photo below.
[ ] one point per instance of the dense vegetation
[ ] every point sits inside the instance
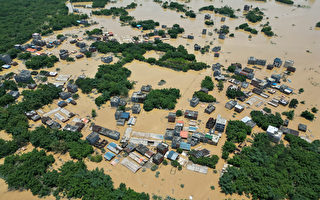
(145, 24)
(175, 30)
(99, 3)
(227, 148)
(293, 103)
(207, 83)
(174, 58)
(233, 93)
(179, 8)
(14, 121)
(20, 18)
(161, 99)
(122, 12)
(225, 10)
(318, 25)
(112, 80)
(307, 115)
(210, 161)
(38, 62)
(268, 31)
(289, 114)
(204, 97)
(60, 142)
(274, 171)
(290, 2)
(264, 120)
(72, 180)
(246, 27)
(254, 15)
(237, 131)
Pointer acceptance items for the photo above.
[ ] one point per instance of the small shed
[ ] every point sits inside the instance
(302, 127)
(172, 117)
(136, 108)
(109, 156)
(184, 134)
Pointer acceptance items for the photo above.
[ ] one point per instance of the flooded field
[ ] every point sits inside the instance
(296, 39)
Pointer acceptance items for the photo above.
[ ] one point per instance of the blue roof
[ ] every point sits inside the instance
(277, 60)
(112, 144)
(109, 155)
(125, 115)
(185, 146)
(172, 155)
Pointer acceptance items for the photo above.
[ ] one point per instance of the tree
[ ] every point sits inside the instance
(237, 131)
(161, 99)
(293, 103)
(252, 171)
(93, 113)
(227, 148)
(233, 93)
(220, 85)
(207, 83)
(289, 114)
(178, 113)
(264, 120)
(307, 115)
(314, 110)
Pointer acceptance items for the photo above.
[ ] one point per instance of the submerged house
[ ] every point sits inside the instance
(23, 77)
(138, 97)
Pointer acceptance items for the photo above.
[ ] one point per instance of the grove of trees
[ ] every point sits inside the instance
(161, 99)
(21, 18)
(266, 170)
(264, 120)
(71, 180)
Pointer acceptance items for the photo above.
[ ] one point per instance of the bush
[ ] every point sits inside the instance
(209, 22)
(24, 56)
(231, 68)
(96, 158)
(178, 113)
(301, 90)
(318, 25)
(307, 115)
(314, 110)
(220, 85)
(154, 167)
(179, 150)
(59, 36)
(175, 163)
(93, 113)
(212, 187)
(267, 110)
(290, 2)
(165, 162)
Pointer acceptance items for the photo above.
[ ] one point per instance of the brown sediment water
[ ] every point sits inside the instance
(295, 35)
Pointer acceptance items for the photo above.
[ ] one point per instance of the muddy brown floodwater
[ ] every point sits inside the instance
(296, 39)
